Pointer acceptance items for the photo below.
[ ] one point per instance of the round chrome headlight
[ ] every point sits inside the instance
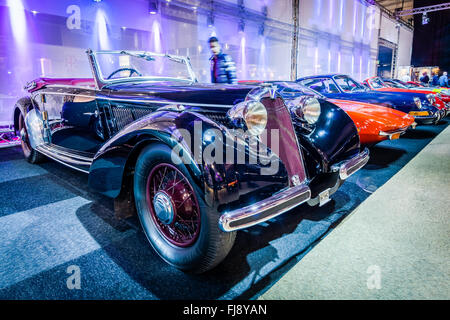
(431, 98)
(306, 108)
(311, 110)
(418, 102)
(255, 117)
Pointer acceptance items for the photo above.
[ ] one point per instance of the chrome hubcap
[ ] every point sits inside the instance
(164, 208)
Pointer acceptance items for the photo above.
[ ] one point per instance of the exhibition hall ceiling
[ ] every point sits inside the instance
(392, 5)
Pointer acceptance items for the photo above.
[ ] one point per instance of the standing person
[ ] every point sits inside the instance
(434, 79)
(223, 69)
(406, 78)
(443, 80)
(425, 78)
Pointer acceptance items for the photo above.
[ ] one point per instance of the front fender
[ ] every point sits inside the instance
(112, 163)
(334, 138)
(107, 170)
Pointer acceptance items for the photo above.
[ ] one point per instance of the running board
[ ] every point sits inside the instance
(77, 160)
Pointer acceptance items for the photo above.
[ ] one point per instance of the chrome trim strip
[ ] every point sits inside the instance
(168, 102)
(51, 156)
(349, 167)
(65, 157)
(261, 211)
(69, 86)
(67, 153)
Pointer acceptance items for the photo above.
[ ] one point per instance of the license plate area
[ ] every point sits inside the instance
(324, 197)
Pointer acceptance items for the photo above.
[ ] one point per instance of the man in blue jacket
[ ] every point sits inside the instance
(223, 69)
(443, 80)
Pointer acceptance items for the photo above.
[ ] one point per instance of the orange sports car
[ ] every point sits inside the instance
(376, 123)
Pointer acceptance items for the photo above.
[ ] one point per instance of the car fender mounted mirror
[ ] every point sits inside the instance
(30, 86)
(272, 89)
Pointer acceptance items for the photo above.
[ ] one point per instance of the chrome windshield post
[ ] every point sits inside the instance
(99, 84)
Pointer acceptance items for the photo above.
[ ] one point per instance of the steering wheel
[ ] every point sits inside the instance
(132, 70)
(353, 88)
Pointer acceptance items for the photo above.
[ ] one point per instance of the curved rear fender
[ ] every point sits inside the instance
(113, 165)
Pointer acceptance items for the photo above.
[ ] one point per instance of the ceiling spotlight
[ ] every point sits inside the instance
(97, 0)
(153, 6)
(425, 19)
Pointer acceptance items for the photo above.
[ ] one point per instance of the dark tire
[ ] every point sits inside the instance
(189, 239)
(29, 153)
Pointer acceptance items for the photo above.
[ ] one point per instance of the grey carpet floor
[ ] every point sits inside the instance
(395, 245)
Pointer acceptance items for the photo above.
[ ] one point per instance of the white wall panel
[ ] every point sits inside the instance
(405, 47)
(388, 29)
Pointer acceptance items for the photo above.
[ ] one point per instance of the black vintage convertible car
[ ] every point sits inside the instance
(195, 162)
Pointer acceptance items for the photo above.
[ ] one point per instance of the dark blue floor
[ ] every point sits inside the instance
(49, 221)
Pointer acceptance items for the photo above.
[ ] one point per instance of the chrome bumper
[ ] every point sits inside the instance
(348, 167)
(427, 119)
(264, 210)
(392, 133)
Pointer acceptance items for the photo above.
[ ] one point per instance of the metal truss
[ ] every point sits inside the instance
(410, 12)
(7, 138)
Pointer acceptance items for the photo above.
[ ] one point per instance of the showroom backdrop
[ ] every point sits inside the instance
(49, 38)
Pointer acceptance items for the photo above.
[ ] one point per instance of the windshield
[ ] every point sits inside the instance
(347, 84)
(393, 84)
(376, 83)
(289, 89)
(404, 84)
(321, 85)
(139, 65)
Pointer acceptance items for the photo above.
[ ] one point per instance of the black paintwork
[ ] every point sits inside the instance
(126, 117)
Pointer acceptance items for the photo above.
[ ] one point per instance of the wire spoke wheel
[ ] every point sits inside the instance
(24, 136)
(173, 205)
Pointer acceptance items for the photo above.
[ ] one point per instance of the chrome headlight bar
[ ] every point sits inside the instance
(305, 108)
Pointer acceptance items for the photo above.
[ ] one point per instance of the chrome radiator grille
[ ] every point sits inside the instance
(279, 118)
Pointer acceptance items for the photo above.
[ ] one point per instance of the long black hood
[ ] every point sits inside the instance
(175, 92)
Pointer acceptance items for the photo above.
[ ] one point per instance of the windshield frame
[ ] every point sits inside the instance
(373, 79)
(100, 81)
(360, 86)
